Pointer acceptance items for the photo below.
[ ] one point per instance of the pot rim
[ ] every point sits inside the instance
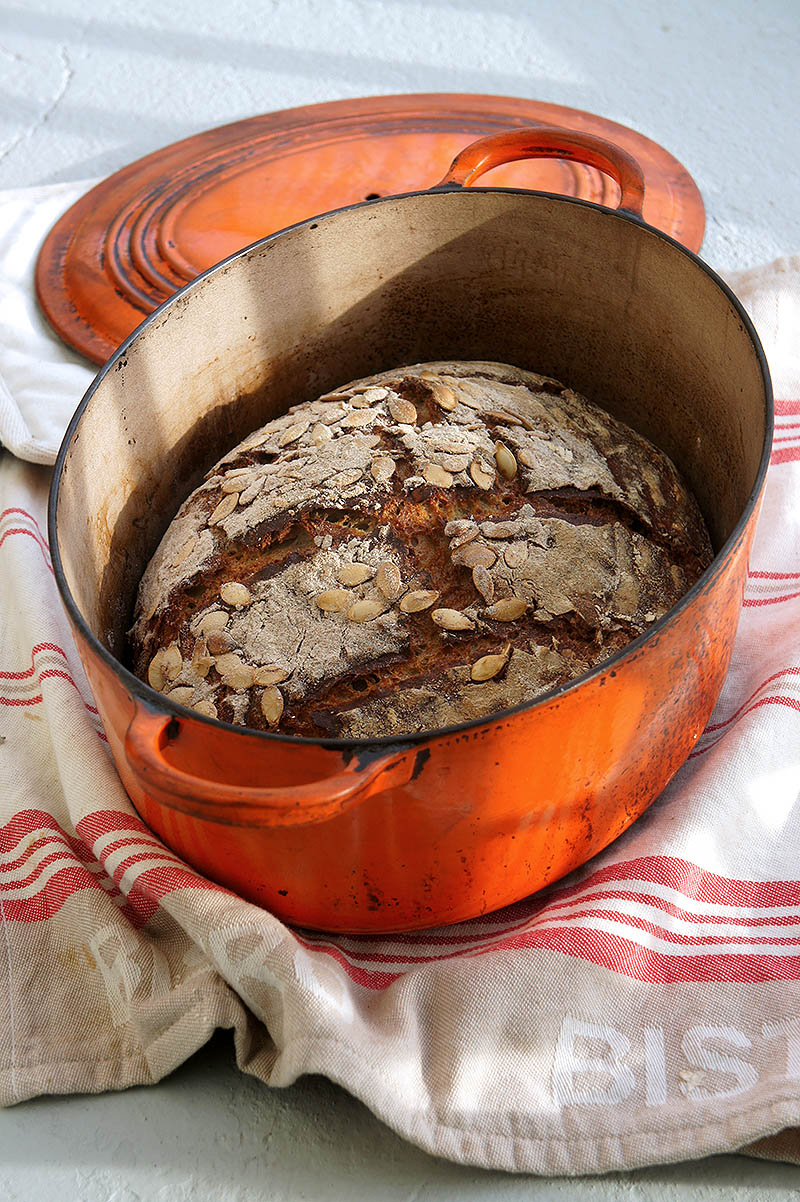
(142, 692)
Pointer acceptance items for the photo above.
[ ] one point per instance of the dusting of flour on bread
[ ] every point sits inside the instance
(424, 547)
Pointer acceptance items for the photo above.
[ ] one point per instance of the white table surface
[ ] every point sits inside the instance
(85, 87)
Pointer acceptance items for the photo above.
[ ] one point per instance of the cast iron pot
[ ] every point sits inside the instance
(392, 834)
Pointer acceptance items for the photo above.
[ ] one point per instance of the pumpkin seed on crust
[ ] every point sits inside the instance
(215, 619)
(382, 468)
(235, 483)
(417, 600)
(473, 554)
(156, 676)
(358, 417)
(437, 476)
(452, 619)
(507, 610)
(270, 674)
(272, 705)
(333, 600)
(389, 580)
(227, 662)
(480, 475)
(482, 579)
(292, 433)
(487, 667)
(515, 554)
(353, 573)
(403, 412)
(239, 677)
(376, 393)
(444, 396)
(365, 610)
(220, 642)
(224, 509)
(235, 594)
(506, 463)
(320, 434)
(185, 551)
(202, 662)
(172, 661)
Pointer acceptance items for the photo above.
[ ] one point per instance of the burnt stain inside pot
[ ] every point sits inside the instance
(424, 547)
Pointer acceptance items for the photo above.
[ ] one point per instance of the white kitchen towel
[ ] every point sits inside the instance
(643, 1010)
(41, 380)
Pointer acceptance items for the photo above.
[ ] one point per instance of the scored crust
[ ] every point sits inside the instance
(420, 548)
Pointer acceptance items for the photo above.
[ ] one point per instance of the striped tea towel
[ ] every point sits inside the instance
(646, 1009)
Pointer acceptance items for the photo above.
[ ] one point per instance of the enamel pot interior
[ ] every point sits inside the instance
(591, 297)
(594, 298)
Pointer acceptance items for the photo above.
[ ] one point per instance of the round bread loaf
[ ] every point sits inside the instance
(415, 550)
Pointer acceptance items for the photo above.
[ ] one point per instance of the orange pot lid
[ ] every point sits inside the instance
(150, 228)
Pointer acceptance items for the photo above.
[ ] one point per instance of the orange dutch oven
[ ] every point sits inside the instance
(393, 834)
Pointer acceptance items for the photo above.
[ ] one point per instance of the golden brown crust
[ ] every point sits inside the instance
(345, 568)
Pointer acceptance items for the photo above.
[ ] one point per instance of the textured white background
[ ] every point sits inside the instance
(87, 86)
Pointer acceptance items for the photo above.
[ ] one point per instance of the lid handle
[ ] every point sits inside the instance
(550, 142)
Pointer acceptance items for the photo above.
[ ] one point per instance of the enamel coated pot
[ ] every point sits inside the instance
(392, 834)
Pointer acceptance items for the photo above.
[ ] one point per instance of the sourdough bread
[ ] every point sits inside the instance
(418, 549)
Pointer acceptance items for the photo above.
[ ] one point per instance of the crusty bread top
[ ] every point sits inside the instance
(420, 548)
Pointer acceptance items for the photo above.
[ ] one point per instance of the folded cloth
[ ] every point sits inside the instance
(643, 1010)
(41, 380)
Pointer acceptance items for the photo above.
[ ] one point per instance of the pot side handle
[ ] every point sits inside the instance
(149, 734)
(548, 141)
